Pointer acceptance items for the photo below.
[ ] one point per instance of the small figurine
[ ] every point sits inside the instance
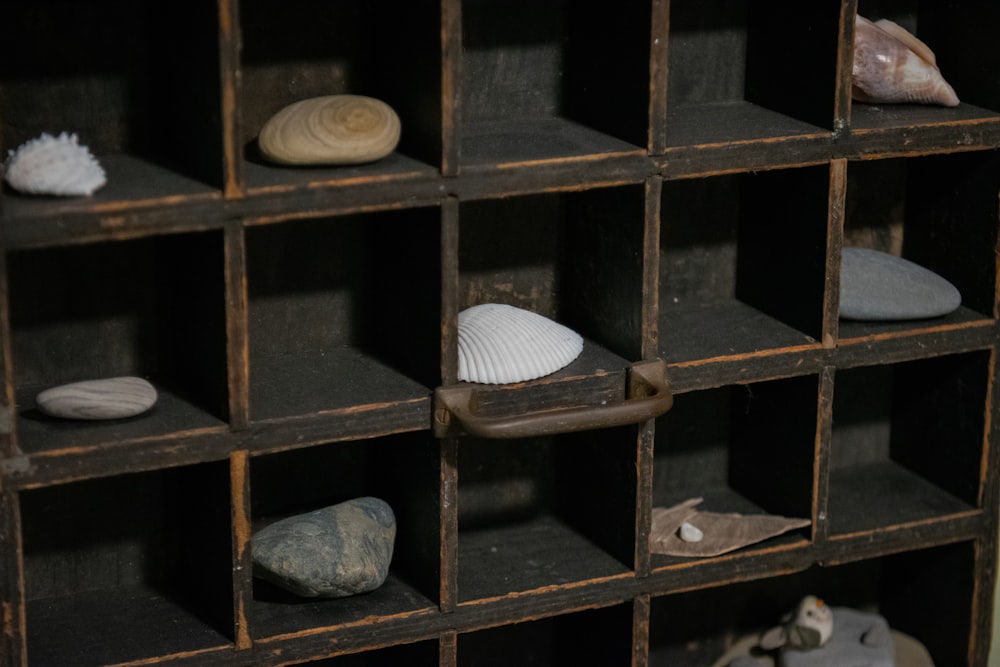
(809, 627)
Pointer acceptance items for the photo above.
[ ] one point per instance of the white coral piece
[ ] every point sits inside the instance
(50, 165)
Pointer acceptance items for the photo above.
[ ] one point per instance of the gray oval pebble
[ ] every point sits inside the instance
(877, 286)
(109, 398)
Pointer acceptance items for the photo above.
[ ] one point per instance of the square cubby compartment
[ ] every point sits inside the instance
(152, 308)
(910, 592)
(575, 258)
(742, 263)
(109, 73)
(540, 513)
(956, 39)
(345, 312)
(128, 569)
(744, 449)
(593, 637)
(939, 212)
(306, 49)
(750, 70)
(550, 79)
(907, 442)
(400, 471)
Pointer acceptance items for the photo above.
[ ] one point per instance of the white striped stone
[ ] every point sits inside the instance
(109, 398)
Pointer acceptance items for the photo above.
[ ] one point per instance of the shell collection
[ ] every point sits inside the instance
(331, 130)
(48, 165)
(891, 65)
(499, 344)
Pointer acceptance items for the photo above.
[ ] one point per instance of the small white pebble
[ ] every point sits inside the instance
(691, 533)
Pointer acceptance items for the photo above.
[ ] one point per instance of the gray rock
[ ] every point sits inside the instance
(110, 398)
(846, 646)
(341, 550)
(877, 286)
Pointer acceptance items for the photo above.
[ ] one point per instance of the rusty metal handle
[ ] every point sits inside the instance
(649, 397)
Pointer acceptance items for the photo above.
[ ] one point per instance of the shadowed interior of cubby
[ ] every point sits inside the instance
(911, 591)
(746, 449)
(549, 79)
(152, 308)
(305, 50)
(937, 211)
(538, 512)
(401, 470)
(742, 263)
(597, 636)
(343, 311)
(420, 654)
(569, 257)
(129, 567)
(732, 64)
(891, 425)
(110, 73)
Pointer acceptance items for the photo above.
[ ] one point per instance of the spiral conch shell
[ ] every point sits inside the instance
(498, 344)
(331, 130)
(892, 65)
(48, 165)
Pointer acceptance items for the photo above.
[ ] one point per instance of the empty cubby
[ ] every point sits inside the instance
(544, 512)
(128, 568)
(598, 636)
(552, 79)
(891, 424)
(912, 591)
(742, 263)
(744, 449)
(744, 70)
(400, 470)
(939, 212)
(153, 308)
(107, 73)
(305, 49)
(343, 311)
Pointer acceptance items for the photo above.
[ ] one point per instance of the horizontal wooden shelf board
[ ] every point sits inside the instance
(534, 555)
(919, 536)
(261, 177)
(735, 122)
(868, 118)
(172, 416)
(533, 140)
(277, 616)
(339, 380)
(964, 319)
(127, 625)
(865, 498)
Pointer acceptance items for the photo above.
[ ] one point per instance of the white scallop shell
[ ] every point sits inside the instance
(333, 129)
(892, 65)
(498, 344)
(48, 165)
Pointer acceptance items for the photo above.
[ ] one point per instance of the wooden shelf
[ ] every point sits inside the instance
(661, 177)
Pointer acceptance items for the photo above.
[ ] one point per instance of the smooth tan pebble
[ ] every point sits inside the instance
(109, 398)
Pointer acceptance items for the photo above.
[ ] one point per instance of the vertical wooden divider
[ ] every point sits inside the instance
(451, 80)
(822, 456)
(237, 337)
(845, 66)
(658, 70)
(836, 205)
(12, 592)
(640, 631)
(8, 418)
(239, 480)
(448, 649)
(448, 490)
(229, 81)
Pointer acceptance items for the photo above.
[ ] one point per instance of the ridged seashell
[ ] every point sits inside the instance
(110, 398)
(48, 165)
(334, 129)
(498, 344)
(892, 65)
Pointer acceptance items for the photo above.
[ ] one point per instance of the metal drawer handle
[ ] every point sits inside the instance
(648, 391)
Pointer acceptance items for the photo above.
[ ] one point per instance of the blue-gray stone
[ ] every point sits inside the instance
(337, 551)
(846, 646)
(877, 286)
